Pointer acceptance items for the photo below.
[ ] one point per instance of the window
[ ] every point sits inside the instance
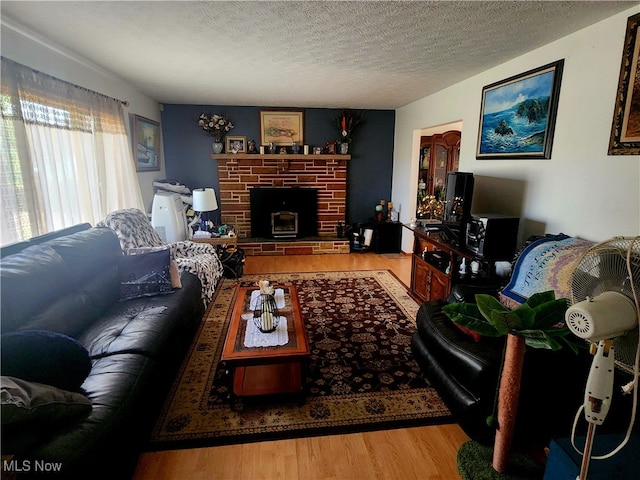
(65, 155)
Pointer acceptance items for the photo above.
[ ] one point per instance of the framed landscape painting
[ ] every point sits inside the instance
(625, 129)
(282, 127)
(147, 144)
(518, 115)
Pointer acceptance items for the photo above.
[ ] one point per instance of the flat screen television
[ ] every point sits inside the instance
(457, 207)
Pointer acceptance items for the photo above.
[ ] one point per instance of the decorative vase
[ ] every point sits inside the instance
(217, 147)
(265, 313)
(344, 148)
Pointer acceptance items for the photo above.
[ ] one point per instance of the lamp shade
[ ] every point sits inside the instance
(204, 200)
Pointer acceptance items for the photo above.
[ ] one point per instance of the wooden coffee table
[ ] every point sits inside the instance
(265, 370)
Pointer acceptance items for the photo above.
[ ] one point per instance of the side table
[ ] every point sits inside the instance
(219, 242)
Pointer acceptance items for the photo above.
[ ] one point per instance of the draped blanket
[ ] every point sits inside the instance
(135, 231)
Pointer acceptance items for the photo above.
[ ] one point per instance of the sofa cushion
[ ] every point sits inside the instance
(145, 325)
(60, 285)
(72, 313)
(31, 280)
(26, 402)
(146, 274)
(45, 357)
(120, 388)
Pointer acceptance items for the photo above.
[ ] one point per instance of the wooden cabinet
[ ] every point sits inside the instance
(435, 265)
(428, 282)
(439, 154)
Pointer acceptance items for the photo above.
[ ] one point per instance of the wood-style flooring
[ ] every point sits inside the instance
(408, 453)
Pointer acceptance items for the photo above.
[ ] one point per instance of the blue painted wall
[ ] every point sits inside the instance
(187, 149)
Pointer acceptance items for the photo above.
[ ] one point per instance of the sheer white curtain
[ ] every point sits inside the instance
(66, 156)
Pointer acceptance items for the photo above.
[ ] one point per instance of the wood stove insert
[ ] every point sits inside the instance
(284, 212)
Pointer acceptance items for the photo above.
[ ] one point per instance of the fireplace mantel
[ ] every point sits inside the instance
(277, 156)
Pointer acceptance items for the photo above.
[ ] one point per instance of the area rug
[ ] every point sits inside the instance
(362, 375)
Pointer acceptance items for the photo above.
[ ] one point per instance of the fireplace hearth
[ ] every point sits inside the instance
(284, 212)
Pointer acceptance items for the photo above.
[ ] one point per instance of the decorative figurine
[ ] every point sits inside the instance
(251, 146)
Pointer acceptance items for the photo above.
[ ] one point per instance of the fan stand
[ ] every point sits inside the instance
(586, 457)
(597, 398)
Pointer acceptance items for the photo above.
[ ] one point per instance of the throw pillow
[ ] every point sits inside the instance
(146, 274)
(173, 265)
(45, 357)
(24, 401)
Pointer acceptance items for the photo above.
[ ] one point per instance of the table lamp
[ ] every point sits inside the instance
(204, 200)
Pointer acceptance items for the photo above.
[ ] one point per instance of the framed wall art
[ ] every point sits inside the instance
(147, 144)
(235, 144)
(282, 127)
(625, 129)
(518, 115)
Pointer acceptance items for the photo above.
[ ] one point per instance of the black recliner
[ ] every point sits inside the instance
(466, 373)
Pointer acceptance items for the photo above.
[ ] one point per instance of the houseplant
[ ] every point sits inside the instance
(537, 323)
(217, 126)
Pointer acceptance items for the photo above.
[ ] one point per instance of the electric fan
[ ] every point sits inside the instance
(605, 311)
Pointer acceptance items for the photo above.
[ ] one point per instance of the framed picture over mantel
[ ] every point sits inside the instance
(518, 115)
(281, 127)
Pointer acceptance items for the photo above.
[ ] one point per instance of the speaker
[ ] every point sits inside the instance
(457, 207)
(492, 235)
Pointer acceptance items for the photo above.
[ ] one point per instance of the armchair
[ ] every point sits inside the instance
(134, 230)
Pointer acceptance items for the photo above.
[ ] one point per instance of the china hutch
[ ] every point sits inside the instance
(439, 154)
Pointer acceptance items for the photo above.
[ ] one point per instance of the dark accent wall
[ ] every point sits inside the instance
(187, 149)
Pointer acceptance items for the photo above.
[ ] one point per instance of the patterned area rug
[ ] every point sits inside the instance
(362, 375)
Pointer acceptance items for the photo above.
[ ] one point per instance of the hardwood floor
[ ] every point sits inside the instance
(407, 453)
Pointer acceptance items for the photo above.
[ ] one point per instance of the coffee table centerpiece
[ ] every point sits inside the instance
(265, 310)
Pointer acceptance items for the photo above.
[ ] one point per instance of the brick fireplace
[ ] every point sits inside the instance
(238, 174)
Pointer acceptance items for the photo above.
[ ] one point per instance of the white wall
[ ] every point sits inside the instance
(580, 191)
(28, 48)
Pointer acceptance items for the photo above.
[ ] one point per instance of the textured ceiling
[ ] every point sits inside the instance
(362, 54)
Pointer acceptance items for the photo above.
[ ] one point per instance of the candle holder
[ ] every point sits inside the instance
(265, 314)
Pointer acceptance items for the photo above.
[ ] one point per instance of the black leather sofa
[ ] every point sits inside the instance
(68, 282)
(466, 372)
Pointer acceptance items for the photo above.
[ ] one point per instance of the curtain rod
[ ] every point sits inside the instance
(123, 102)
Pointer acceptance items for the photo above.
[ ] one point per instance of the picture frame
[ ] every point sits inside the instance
(282, 127)
(518, 115)
(625, 127)
(235, 144)
(147, 144)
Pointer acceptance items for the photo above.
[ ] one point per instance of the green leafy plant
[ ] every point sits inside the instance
(540, 320)
(537, 323)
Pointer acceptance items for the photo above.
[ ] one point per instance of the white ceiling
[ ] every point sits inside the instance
(335, 54)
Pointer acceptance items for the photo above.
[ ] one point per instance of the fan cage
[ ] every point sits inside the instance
(604, 267)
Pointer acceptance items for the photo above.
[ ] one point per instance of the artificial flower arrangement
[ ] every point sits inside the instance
(347, 123)
(216, 125)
